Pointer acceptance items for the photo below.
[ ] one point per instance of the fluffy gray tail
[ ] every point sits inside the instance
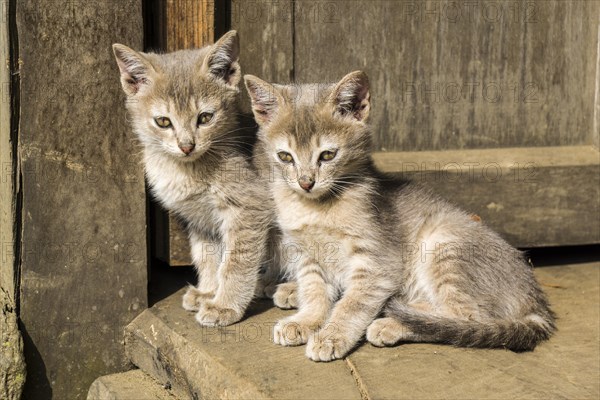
(516, 335)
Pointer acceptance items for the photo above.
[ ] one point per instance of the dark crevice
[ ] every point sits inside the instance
(222, 17)
(360, 384)
(15, 112)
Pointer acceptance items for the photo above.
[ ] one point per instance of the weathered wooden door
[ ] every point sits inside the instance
(494, 104)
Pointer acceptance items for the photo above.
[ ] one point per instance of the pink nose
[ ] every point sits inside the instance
(187, 148)
(306, 182)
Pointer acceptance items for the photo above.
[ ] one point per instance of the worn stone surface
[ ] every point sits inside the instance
(240, 361)
(130, 385)
(12, 362)
(237, 362)
(566, 367)
(84, 269)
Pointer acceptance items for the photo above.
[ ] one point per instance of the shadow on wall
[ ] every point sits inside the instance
(37, 385)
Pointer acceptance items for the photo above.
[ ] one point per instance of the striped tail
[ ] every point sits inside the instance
(517, 335)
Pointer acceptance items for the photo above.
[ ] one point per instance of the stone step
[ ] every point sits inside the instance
(130, 385)
(237, 362)
(240, 362)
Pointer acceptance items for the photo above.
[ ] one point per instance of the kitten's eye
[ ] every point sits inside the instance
(163, 122)
(285, 157)
(327, 155)
(204, 118)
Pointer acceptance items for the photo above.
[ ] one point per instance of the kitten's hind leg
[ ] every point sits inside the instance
(285, 297)
(386, 332)
(389, 330)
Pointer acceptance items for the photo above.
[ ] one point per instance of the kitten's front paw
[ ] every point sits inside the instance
(210, 314)
(327, 346)
(285, 296)
(193, 298)
(291, 332)
(385, 332)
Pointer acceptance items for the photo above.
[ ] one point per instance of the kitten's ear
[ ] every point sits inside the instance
(351, 97)
(222, 60)
(136, 70)
(266, 100)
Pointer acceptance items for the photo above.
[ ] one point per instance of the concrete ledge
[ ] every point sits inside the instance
(130, 385)
(240, 362)
(236, 362)
(533, 197)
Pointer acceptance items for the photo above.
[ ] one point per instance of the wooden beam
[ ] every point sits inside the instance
(83, 238)
(533, 197)
(7, 163)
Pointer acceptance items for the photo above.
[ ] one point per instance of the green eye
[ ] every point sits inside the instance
(327, 155)
(285, 157)
(163, 122)
(204, 118)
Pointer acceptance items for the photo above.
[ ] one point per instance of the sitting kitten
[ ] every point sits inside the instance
(184, 108)
(373, 245)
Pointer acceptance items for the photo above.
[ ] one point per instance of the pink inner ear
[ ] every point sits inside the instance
(353, 99)
(135, 83)
(264, 101)
(263, 111)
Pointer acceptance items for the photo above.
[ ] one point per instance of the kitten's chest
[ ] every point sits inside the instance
(174, 187)
(319, 234)
(188, 193)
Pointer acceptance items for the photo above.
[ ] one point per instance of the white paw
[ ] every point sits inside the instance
(385, 332)
(291, 332)
(210, 314)
(328, 346)
(285, 296)
(193, 298)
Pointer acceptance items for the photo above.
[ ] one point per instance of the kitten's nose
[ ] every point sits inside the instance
(187, 148)
(306, 182)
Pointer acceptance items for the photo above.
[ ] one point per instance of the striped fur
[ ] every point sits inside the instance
(215, 190)
(369, 245)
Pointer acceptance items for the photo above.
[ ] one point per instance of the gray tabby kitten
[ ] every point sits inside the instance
(381, 256)
(184, 108)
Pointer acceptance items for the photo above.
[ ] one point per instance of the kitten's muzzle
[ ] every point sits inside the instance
(187, 148)
(306, 182)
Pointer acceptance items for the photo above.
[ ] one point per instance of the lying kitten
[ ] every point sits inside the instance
(184, 108)
(375, 245)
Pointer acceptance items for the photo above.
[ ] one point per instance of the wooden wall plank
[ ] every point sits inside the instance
(444, 75)
(83, 259)
(459, 75)
(595, 133)
(8, 197)
(266, 31)
(12, 360)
